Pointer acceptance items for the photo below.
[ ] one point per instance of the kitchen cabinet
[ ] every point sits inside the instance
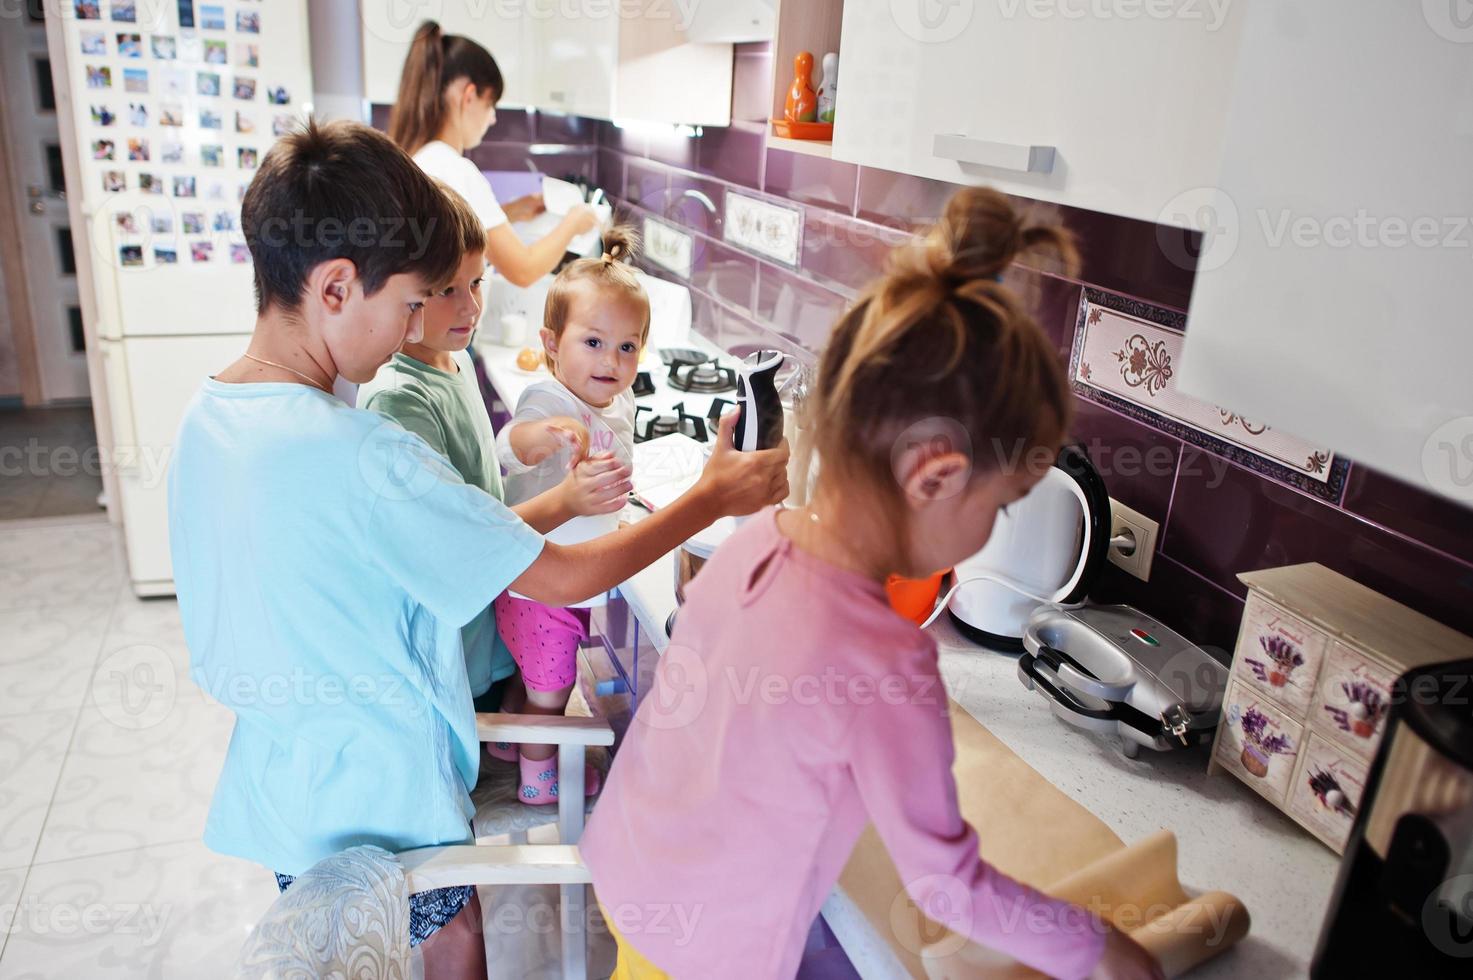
(1333, 293)
(502, 29)
(1114, 111)
(594, 62)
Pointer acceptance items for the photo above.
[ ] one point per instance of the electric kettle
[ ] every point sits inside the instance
(1047, 548)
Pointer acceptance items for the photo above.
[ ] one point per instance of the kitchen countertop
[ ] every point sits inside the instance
(1229, 838)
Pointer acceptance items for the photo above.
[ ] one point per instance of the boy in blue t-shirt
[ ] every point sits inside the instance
(325, 558)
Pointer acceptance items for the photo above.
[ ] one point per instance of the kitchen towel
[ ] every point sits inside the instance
(1031, 830)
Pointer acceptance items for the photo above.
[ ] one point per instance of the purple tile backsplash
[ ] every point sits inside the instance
(1217, 519)
(1225, 520)
(811, 180)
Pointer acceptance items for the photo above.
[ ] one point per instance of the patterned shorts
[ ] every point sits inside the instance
(428, 911)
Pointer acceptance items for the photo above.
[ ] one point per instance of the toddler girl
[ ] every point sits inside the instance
(793, 706)
(596, 322)
(430, 388)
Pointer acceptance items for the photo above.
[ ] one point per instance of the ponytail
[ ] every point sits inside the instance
(940, 337)
(436, 60)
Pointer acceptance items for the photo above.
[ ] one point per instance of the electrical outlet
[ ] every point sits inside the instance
(1145, 531)
(668, 247)
(764, 227)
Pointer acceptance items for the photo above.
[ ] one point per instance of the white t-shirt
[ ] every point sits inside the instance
(441, 161)
(609, 430)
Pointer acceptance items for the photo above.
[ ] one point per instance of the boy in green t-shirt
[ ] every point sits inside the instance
(430, 388)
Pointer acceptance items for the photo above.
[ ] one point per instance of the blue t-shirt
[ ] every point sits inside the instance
(325, 560)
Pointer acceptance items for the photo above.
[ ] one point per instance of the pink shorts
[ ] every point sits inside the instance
(543, 640)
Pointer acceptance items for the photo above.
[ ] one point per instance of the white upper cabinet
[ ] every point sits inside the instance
(1333, 295)
(573, 63)
(499, 28)
(591, 62)
(1129, 101)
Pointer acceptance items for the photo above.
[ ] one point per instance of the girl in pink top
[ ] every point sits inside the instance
(793, 706)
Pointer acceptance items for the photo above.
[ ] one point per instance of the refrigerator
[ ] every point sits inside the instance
(173, 105)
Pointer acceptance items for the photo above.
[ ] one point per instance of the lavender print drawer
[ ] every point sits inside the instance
(1352, 700)
(1278, 654)
(1257, 742)
(1327, 790)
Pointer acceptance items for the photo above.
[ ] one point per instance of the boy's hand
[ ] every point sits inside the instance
(1126, 959)
(741, 483)
(597, 485)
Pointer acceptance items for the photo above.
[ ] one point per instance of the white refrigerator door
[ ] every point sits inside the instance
(173, 116)
(150, 381)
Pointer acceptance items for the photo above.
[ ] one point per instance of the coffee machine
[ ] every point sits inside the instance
(1403, 902)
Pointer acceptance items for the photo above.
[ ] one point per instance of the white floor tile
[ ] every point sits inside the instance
(47, 655)
(140, 771)
(165, 912)
(143, 650)
(32, 748)
(60, 565)
(10, 885)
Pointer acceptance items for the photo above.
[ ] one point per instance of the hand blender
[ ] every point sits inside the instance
(760, 410)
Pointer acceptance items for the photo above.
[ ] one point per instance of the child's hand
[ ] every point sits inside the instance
(535, 442)
(1126, 959)
(567, 433)
(597, 485)
(744, 482)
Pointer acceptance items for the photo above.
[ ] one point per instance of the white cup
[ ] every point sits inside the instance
(514, 330)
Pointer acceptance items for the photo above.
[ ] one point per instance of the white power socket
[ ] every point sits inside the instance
(1123, 520)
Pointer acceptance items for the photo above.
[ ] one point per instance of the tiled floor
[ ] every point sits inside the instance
(49, 465)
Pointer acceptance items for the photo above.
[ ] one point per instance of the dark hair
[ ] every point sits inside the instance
(344, 191)
(940, 337)
(435, 60)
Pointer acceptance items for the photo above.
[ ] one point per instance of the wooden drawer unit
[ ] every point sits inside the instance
(1257, 741)
(1325, 793)
(1279, 654)
(1314, 676)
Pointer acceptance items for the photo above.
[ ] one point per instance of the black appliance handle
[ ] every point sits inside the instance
(1076, 464)
(1117, 711)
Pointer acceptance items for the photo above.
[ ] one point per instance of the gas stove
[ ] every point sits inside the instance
(700, 374)
(650, 424)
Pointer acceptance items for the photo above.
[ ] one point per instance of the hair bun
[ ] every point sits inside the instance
(980, 234)
(621, 242)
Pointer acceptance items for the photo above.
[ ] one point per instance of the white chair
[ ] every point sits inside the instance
(348, 915)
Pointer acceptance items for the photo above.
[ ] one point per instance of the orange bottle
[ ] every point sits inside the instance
(802, 101)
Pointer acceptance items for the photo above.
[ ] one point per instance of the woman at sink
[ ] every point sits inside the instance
(447, 102)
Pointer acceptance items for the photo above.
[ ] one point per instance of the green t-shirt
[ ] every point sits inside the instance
(446, 410)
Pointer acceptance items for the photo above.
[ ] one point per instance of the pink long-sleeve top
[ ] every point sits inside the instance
(792, 707)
